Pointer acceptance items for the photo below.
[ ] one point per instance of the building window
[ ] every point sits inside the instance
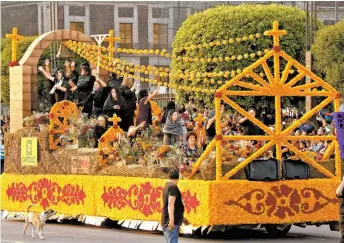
(78, 26)
(126, 35)
(160, 36)
(161, 79)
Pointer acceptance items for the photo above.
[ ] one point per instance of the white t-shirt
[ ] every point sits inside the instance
(341, 109)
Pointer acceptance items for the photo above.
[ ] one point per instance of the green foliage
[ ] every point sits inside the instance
(226, 22)
(328, 51)
(6, 56)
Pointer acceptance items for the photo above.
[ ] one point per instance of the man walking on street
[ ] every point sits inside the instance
(173, 209)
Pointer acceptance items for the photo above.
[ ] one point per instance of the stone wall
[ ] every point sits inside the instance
(101, 19)
(22, 17)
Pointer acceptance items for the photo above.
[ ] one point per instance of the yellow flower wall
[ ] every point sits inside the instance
(206, 202)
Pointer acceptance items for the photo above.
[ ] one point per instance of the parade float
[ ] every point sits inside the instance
(91, 182)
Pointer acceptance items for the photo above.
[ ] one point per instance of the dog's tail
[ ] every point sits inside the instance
(28, 208)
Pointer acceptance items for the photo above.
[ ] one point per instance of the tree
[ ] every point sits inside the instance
(328, 52)
(6, 55)
(226, 22)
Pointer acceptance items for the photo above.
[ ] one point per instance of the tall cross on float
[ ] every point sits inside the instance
(99, 39)
(15, 37)
(111, 39)
(275, 33)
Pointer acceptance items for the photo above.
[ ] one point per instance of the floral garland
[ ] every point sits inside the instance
(163, 72)
(163, 53)
(173, 86)
(66, 111)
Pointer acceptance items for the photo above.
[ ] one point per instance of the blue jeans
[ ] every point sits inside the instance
(171, 236)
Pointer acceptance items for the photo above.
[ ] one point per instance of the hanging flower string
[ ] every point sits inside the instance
(164, 53)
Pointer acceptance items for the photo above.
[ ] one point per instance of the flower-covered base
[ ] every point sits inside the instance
(206, 202)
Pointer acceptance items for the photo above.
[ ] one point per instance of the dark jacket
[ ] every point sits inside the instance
(115, 82)
(85, 86)
(111, 102)
(129, 98)
(98, 132)
(98, 97)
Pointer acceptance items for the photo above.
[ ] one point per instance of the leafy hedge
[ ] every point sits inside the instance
(328, 51)
(6, 56)
(225, 22)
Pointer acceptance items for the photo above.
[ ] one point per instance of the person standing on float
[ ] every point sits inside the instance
(84, 87)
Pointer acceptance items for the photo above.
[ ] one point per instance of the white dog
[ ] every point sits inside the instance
(37, 220)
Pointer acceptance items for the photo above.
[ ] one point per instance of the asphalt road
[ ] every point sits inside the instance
(11, 231)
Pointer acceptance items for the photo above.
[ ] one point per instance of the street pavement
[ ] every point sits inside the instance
(11, 231)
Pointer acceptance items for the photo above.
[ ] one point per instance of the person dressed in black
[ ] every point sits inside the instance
(210, 126)
(115, 81)
(127, 91)
(72, 81)
(60, 84)
(173, 208)
(248, 128)
(98, 97)
(144, 113)
(84, 87)
(99, 129)
(115, 104)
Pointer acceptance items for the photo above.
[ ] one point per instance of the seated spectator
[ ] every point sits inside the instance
(307, 126)
(302, 146)
(297, 133)
(99, 129)
(190, 150)
(173, 129)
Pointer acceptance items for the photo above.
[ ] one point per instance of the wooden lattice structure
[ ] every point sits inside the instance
(278, 85)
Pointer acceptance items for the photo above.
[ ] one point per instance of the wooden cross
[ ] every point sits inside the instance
(15, 37)
(275, 33)
(111, 39)
(199, 119)
(115, 119)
